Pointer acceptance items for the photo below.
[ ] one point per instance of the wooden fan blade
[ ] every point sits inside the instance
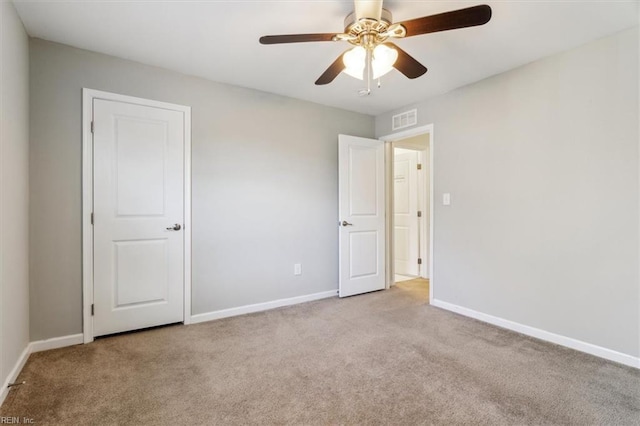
(469, 17)
(332, 72)
(295, 38)
(407, 64)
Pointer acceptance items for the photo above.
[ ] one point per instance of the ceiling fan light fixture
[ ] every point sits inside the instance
(384, 57)
(369, 27)
(354, 62)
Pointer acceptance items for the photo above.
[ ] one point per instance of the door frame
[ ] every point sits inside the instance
(389, 139)
(88, 95)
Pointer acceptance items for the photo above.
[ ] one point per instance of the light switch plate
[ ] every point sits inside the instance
(446, 199)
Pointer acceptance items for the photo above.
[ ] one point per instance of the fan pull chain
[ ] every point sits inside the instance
(369, 68)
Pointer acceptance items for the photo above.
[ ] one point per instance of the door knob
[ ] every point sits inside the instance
(175, 227)
(345, 223)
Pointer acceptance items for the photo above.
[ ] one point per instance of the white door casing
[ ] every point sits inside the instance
(391, 139)
(361, 206)
(424, 221)
(140, 259)
(405, 193)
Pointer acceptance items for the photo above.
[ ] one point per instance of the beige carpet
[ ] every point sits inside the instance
(418, 287)
(380, 358)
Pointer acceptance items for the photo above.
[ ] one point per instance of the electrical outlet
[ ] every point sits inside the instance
(297, 269)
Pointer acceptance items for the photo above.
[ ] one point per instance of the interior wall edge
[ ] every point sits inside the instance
(14, 182)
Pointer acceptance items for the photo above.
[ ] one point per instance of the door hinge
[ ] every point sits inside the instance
(419, 213)
(92, 218)
(419, 165)
(92, 309)
(419, 261)
(92, 127)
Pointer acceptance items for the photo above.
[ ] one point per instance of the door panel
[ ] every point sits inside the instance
(140, 272)
(364, 254)
(138, 197)
(362, 189)
(140, 167)
(361, 207)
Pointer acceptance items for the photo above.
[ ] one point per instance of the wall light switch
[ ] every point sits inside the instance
(297, 269)
(446, 199)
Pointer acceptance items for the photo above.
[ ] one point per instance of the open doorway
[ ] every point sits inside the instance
(409, 213)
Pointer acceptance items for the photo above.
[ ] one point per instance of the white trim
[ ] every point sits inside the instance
(87, 208)
(37, 346)
(432, 198)
(13, 375)
(425, 206)
(638, 336)
(259, 307)
(56, 342)
(389, 249)
(88, 95)
(407, 134)
(187, 217)
(558, 339)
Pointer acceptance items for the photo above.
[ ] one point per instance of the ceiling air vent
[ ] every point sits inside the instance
(404, 119)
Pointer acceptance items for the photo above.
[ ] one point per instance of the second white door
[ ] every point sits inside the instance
(405, 206)
(138, 216)
(361, 205)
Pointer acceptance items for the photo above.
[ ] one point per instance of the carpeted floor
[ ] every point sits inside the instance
(379, 358)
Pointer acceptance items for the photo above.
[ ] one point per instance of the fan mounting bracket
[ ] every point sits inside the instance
(367, 32)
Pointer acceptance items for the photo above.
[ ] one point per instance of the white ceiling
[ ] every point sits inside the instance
(218, 40)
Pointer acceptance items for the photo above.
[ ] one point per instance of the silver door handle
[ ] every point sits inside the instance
(345, 223)
(175, 227)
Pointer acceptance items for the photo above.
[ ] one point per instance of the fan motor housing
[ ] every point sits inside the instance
(356, 27)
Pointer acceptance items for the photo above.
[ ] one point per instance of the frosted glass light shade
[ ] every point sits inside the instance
(383, 59)
(354, 62)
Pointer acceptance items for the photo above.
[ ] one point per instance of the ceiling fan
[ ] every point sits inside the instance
(370, 27)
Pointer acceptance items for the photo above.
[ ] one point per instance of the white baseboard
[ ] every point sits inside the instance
(37, 346)
(258, 307)
(13, 375)
(56, 342)
(558, 339)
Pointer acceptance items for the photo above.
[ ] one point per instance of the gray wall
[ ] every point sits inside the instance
(264, 184)
(542, 166)
(14, 193)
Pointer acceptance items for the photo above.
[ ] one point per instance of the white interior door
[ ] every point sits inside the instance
(405, 205)
(138, 216)
(361, 208)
